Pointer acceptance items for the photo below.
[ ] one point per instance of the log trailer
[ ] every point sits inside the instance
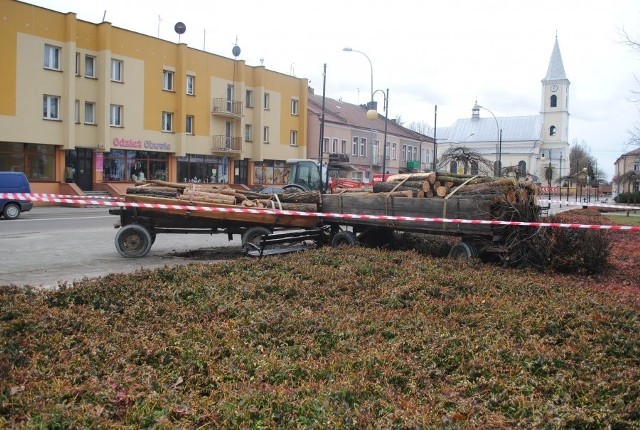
(265, 233)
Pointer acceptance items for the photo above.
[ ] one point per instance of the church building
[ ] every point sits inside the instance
(521, 146)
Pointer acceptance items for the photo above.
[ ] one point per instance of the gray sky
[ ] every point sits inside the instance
(426, 52)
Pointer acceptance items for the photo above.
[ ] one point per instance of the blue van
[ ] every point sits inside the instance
(14, 182)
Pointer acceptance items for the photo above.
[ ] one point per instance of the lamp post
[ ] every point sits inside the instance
(477, 107)
(548, 174)
(372, 114)
(370, 105)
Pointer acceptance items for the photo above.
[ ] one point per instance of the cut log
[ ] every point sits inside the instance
(441, 191)
(381, 187)
(301, 197)
(427, 176)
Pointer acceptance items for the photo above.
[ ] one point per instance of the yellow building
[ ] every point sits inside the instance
(87, 106)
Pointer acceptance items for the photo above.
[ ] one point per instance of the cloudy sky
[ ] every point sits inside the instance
(445, 53)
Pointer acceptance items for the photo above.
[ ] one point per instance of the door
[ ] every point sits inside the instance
(80, 167)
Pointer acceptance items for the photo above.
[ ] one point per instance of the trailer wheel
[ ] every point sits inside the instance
(133, 241)
(344, 238)
(463, 251)
(252, 237)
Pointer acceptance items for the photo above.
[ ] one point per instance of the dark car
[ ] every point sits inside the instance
(14, 183)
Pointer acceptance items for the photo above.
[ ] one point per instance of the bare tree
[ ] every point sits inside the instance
(471, 161)
(420, 127)
(634, 44)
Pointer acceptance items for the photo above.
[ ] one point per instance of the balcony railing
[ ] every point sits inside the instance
(228, 108)
(227, 144)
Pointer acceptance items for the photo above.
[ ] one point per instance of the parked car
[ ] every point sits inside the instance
(14, 182)
(271, 190)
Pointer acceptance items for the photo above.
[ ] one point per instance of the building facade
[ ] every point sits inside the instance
(627, 176)
(352, 144)
(87, 106)
(535, 146)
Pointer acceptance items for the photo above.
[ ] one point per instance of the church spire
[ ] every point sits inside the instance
(556, 68)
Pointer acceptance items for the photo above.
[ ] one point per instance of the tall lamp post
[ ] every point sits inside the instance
(370, 105)
(477, 107)
(548, 174)
(372, 114)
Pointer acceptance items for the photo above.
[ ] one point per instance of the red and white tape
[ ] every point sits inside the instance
(594, 204)
(71, 196)
(33, 197)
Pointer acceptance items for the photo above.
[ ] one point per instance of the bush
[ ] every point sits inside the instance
(628, 197)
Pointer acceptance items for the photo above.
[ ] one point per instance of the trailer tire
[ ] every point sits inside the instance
(252, 237)
(133, 241)
(463, 251)
(344, 238)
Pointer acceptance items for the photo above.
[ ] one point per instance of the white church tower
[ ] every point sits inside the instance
(554, 136)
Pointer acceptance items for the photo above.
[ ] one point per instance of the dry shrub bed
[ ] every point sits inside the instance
(330, 338)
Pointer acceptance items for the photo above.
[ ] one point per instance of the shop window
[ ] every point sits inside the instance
(38, 162)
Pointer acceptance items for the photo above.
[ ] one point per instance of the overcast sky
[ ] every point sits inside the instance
(446, 53)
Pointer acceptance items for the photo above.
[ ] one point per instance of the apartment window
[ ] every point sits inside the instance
(363, 146)
(266, 101)
(78, 64)
(294, 107)
(325, 145)
(89, 66)
(248, 98)
(115, 116)
(76, 111)
(167, 80)
(415, 153)
(343, 144)
(394, 151)
(293, 138)
(167, 121)
(89, 113)
(334, 146)
(265, 134)
(188, 125)
(248, 133)
(116, 70)
(404, 152)
(51, 107)
(191, 85)
(52, 57)
(354, 147)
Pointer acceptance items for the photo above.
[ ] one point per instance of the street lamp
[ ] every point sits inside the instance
(370, 106)
(476, 108)
(372, 114)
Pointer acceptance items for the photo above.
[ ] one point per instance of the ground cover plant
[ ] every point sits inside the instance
(330, 338)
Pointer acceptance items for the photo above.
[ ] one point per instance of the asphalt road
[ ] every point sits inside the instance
(52, 245)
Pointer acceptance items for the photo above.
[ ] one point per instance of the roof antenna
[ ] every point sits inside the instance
(104, 15)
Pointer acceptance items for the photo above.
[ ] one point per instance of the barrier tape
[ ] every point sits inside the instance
(72, 196)
(321, 214)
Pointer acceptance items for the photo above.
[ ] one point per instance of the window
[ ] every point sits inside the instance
(394, 151)
(52, 57)
(415, 153)
(116, 70)
(38, 162)
(404, 152)
(552, 130)
(265, 134)
(388, 152)
(188, 125)
(363, 146)
(248, 98)
(89, 66)
(554, 101)
(334, 146)
(453, 167)
(76, 111)
(266, 101)
(294, 107)
(248, 133)
(115, 116)
(51, 107)
(191, 85)
(167, 121)
(343, 144)
(77, 64)
(293, 138)
(167, 80)
(325, 145)
(354, 147)
(89, 113)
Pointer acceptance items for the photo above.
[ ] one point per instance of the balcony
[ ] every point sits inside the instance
(226, 145)
(413, 165)
(226, 108)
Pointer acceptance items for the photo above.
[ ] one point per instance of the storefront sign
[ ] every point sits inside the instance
(138, 144)
(99, 161)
